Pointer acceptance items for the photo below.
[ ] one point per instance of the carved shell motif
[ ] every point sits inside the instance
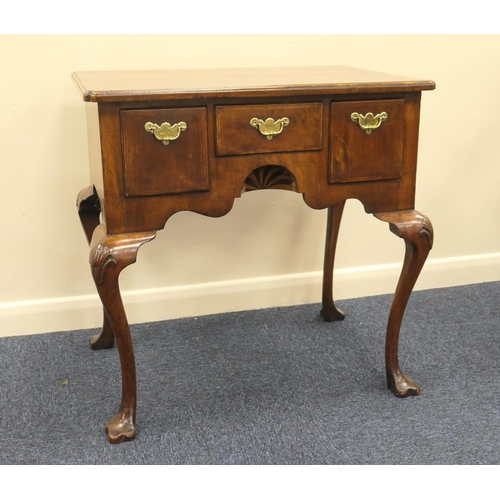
(270, 177)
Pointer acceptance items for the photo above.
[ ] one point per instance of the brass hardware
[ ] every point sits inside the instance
(270, 127)
(369, 122)
(166, 132)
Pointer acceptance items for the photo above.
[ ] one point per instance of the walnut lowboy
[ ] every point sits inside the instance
(165, 141)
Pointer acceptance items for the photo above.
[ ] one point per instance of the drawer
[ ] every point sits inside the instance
(276, 128)
(359, 152)
(164, 151)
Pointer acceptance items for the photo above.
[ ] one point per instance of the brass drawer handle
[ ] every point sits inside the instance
(369, 122)
(166, 132)
(270, 127)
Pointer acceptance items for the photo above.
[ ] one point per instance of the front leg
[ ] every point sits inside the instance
(416, 230)
(109, 255)
(329, 311)
(89, 211)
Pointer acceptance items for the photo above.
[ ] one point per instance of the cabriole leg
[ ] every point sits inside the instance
(109, 255)
(89, 210)
(416, 230)
(329, 311)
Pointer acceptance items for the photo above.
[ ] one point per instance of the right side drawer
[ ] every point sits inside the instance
(363, 154)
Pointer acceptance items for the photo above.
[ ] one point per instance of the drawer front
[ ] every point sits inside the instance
(364, 147)
(244, 130)
(164, 151)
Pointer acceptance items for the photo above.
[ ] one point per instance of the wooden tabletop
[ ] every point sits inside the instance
(109, 86)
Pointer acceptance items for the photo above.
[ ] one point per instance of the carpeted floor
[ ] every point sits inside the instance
(274, 386)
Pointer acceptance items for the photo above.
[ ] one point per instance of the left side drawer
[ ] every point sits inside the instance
(164, 150)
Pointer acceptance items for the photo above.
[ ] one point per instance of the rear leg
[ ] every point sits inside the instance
(89, 210)
(329, 311)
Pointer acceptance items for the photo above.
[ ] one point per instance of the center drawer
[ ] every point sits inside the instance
(266, 128)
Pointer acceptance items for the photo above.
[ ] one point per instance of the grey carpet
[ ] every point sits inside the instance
(274, 386)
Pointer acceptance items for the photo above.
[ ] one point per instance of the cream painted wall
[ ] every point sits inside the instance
(268, 250)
